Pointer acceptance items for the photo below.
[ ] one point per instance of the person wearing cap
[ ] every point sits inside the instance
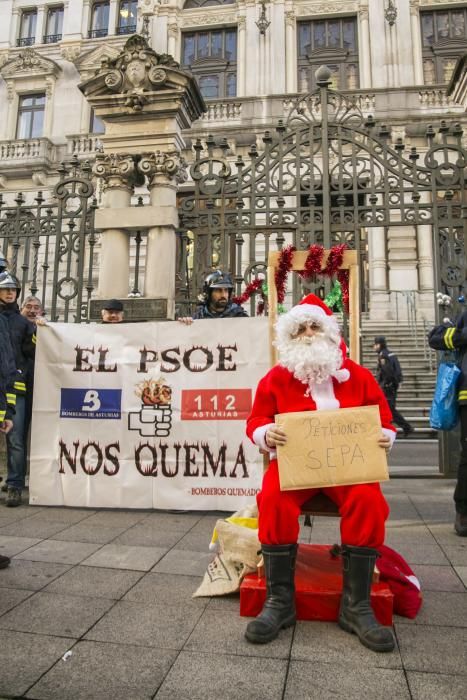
(451, 337)
(389, 376)
(112, 311)
(23, 341)
(314, 374)
(217, 299)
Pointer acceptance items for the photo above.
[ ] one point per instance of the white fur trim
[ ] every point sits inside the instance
(309, 310)
(415, 581)
(342, 375)
(259, 437)
(391, 434)
(323, 395)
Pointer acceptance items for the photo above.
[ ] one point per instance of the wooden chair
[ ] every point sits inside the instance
(320, 504)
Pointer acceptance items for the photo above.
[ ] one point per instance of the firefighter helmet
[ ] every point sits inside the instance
(9, 281)
(217, 280)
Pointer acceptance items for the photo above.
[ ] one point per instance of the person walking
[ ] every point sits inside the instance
(389, 377)
(23, 341)
(453, 337)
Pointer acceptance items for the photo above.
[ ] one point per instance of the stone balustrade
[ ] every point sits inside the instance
(83, 145)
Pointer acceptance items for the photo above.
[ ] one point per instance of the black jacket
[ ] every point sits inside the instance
(23, 341)
(7, 373)
(388, 373)
(231, 311)
(454, 338)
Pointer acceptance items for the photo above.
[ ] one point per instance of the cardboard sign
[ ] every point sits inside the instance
(331, 448)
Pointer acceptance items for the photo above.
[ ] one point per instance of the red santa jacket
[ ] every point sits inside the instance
(280, 392)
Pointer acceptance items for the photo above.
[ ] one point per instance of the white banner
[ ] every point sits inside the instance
(147, 415)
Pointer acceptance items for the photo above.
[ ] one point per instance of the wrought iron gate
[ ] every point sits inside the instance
(326, 175)
(49, 244)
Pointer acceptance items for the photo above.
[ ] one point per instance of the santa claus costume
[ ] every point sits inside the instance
(314, 374)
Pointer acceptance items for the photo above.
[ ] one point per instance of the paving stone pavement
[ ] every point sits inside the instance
(98, 604)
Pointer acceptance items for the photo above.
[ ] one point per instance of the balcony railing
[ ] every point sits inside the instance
(52, 38)
(97, 33)
(25, 41)
(20, 155)
(83, 145)
(129, 29)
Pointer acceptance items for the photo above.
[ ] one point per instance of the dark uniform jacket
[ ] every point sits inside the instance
(454, 338)
(389, 373)
(23, 341)
(231, 311)
(7, 373)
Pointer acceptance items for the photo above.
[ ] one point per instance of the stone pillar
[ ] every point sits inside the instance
(416, 42)
(365, 56)
(290, 52)
(377, 263)
(172, 40)
(164, 171)
(117, 171)
(86, 18)
(113, 11)
(241, 56)
(40, 24)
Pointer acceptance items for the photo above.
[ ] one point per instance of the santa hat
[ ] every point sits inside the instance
(310, 309)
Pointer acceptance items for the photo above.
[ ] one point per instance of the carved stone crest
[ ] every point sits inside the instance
(29, 63)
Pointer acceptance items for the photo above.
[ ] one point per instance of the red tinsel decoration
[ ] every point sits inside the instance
(250, 289)
(343, 277)
(313, 261)
(283, 269)
(334, 262)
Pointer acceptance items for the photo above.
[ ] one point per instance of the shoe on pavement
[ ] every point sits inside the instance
(460, 524)
(408, 431)
(4, 561)
(13, 498)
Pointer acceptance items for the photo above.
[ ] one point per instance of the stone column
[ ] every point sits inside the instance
(164, 171)
(173, 40)
(40, 25)
(377, 259)
(365, 56)
(86, 20)
(117, 171)
(290, 52)
(241, 56)
(416, 42)
(113, 11)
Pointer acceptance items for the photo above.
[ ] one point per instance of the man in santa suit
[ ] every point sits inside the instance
(313, 374)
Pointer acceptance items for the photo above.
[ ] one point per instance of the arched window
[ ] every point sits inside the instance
(99, 19)
(206, 3)
(212, 57)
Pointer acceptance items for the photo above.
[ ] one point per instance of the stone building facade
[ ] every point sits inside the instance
(251, 60)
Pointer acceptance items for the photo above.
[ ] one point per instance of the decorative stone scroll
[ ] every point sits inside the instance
(116, 170)
(170, 165)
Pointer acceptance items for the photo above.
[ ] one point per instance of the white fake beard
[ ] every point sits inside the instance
(310, 359)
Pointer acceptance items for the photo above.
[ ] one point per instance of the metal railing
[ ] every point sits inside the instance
(25, 41)
(51, 38)
(97, 33)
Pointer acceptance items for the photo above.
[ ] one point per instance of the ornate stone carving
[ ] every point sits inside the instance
(212, 18)
(290, 18)
(363, 10)
(172, 29)
(116, 170)
(49, 87)
(241, 22)
(70, 52)
(323, 8)
(136, 70)
(170, 165)
(10, 86)
(29, 63)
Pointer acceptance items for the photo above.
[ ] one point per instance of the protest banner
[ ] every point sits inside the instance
(147, 415)
(331, 448)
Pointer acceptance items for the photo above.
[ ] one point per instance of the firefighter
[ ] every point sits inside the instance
(23, 341)
(217, 299)
(7, 395)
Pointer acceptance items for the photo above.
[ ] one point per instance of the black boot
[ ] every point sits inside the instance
(356, 614)
(279, 609)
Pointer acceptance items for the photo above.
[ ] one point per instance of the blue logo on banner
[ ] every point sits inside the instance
(91, 403)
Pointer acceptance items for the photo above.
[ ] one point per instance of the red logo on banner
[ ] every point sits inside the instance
(216, 404)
